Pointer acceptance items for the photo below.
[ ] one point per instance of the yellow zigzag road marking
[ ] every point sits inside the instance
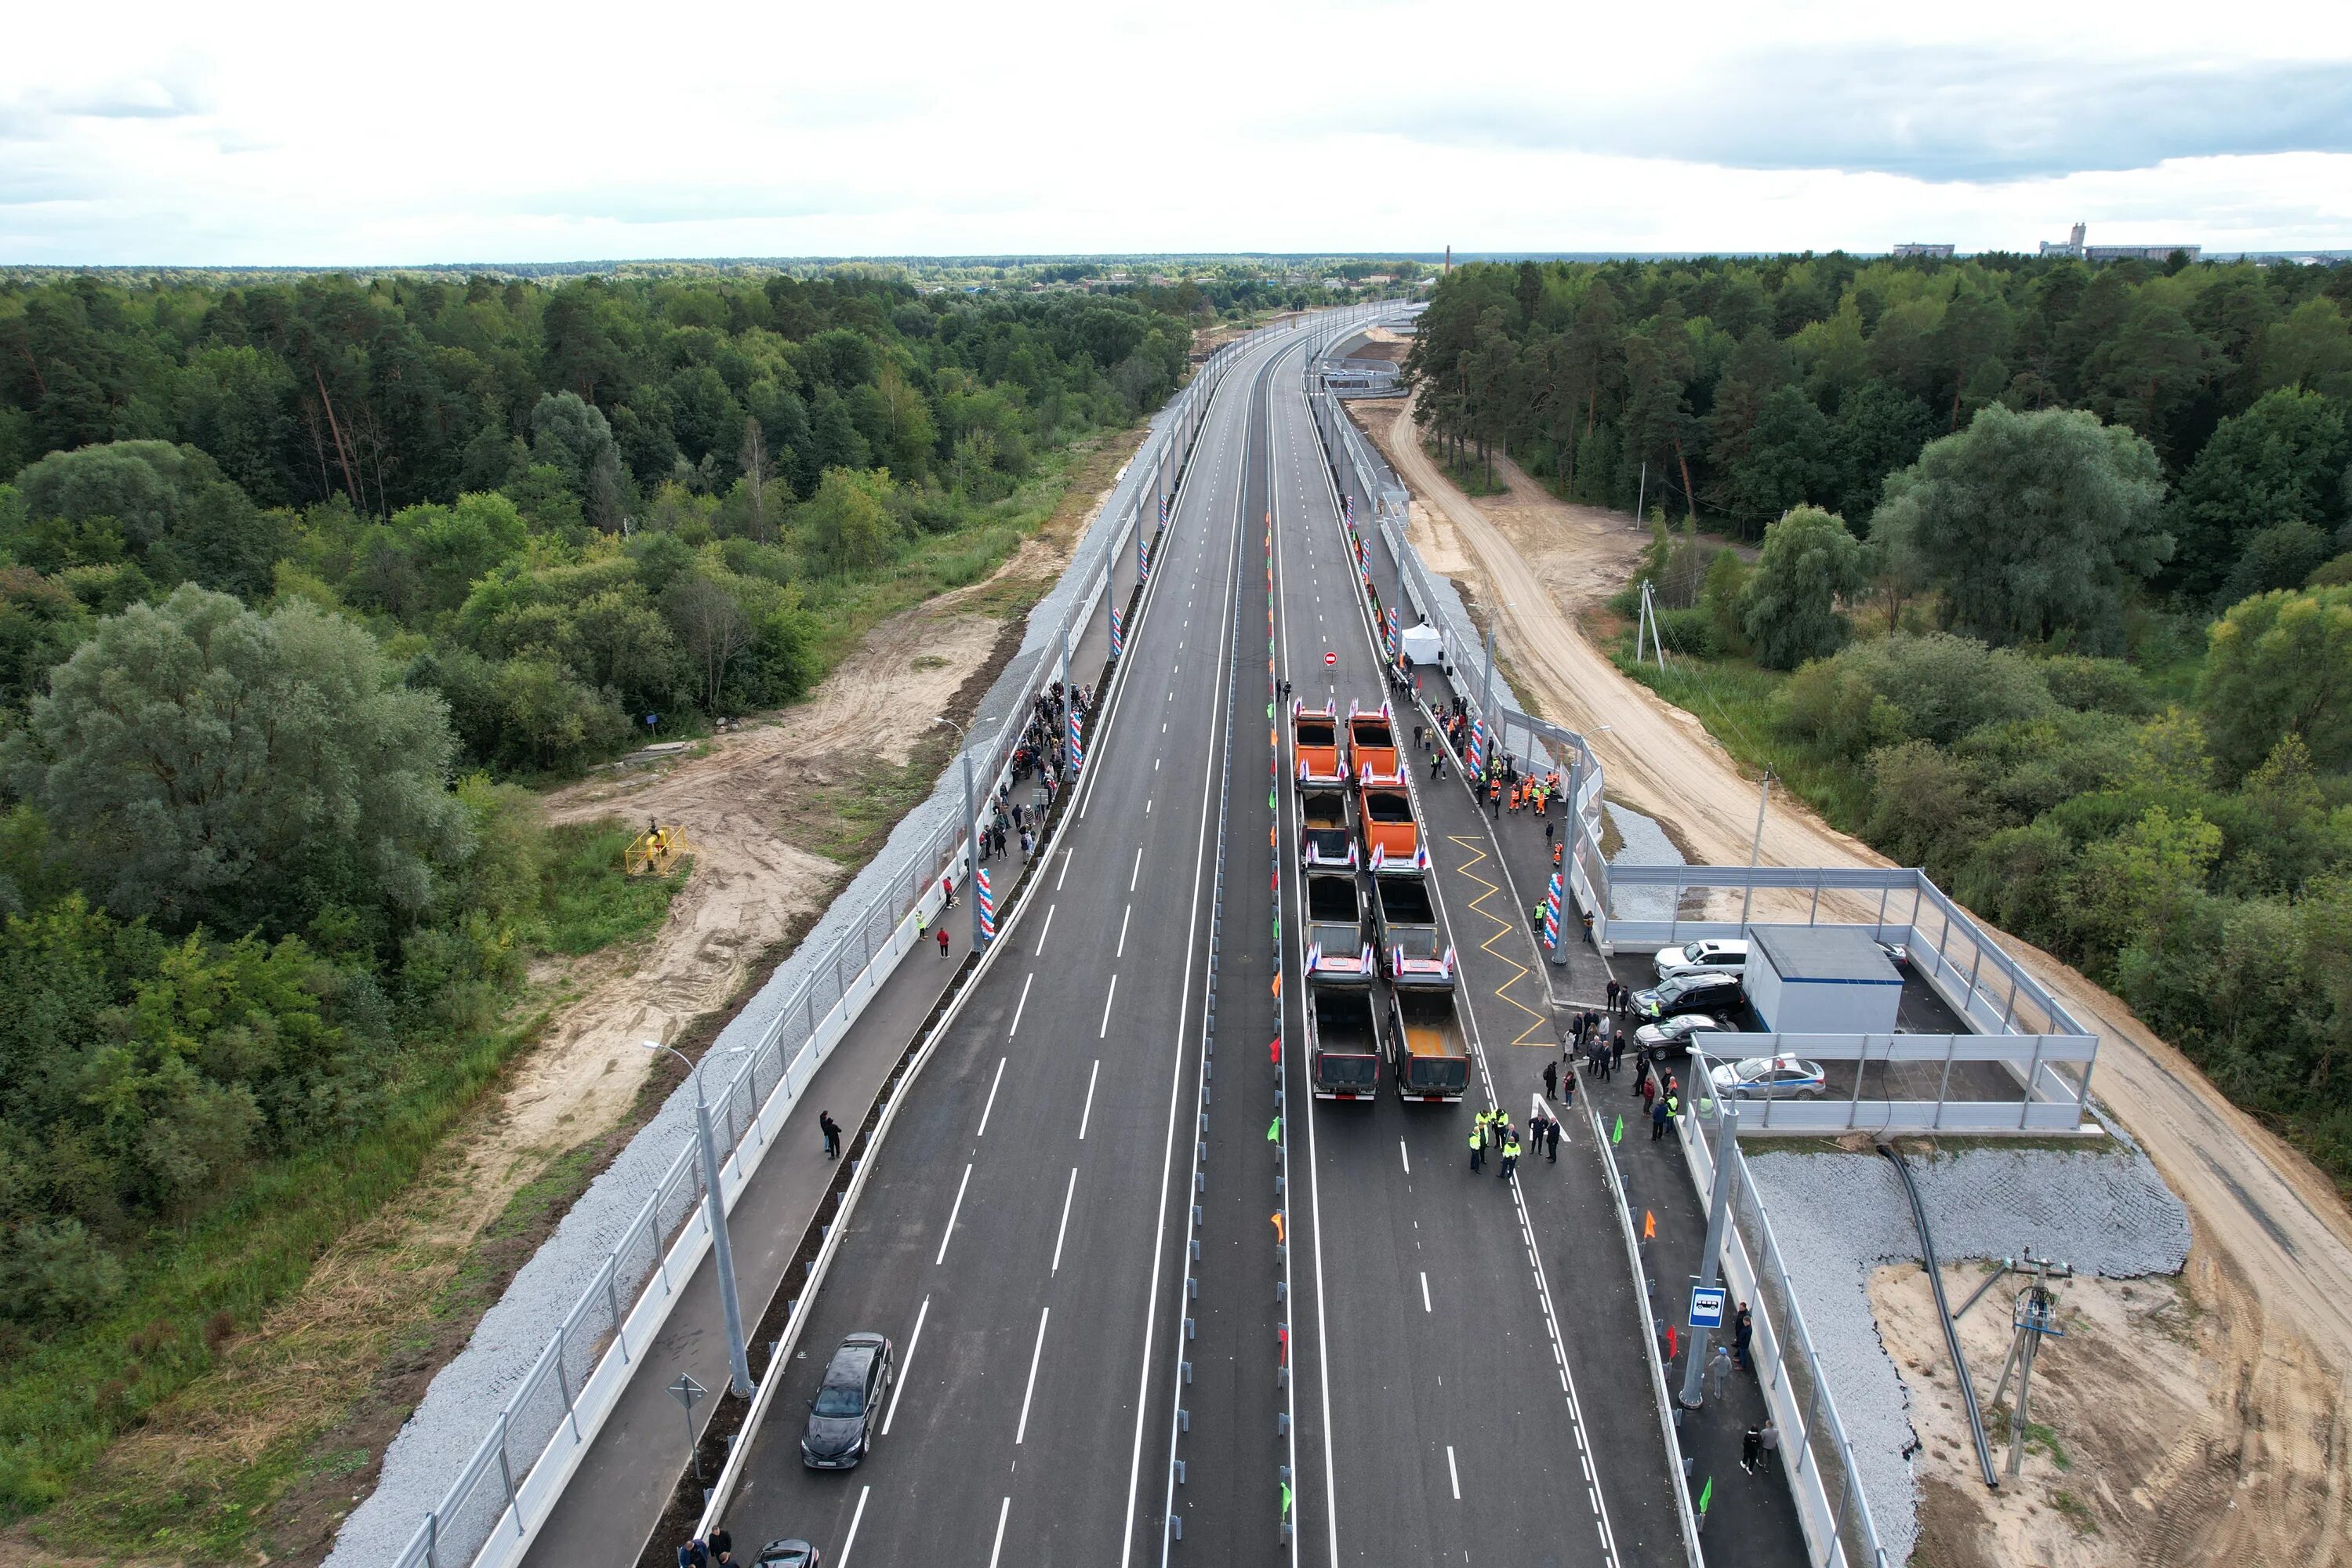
(1536, 1021)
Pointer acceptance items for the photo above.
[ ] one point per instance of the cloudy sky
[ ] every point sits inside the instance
(137, 132)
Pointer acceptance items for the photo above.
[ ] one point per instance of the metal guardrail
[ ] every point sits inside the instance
(549, 1419)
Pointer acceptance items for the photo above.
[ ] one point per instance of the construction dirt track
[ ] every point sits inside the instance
(2261, 1476)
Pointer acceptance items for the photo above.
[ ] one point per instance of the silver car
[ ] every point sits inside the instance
(1728, 957)
(1674, 1034)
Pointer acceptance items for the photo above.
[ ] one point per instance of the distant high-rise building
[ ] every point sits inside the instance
(2072, 246)
(1913, 247)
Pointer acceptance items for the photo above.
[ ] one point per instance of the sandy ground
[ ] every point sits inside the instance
(2271, 1260)
(2135, 1469)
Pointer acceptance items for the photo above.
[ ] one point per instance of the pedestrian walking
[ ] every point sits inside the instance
(1718, 1371)
(943, 941)
(1649, 1090)
(1616, 1051)
(722, 1547)
(947, 890)
(1551, 1080)
(1750, 1442)
(1568, 1090)
(1478, 1144)
(1657, 1121)
(1768, 1443)
(1551, 1141)
(693, 1555)
(1743, 1329)
(1613, 989)
(831, 1131)
(1510, 1151)
(1028, 843)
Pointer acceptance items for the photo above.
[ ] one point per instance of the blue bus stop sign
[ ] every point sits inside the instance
(1706, 1308)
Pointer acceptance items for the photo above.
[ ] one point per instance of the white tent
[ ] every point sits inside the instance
(1422, 645)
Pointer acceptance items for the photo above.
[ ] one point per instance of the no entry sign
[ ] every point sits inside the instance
(1330, 658)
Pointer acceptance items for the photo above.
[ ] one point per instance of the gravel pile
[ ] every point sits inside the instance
(465, 1398)
(1839, 1217)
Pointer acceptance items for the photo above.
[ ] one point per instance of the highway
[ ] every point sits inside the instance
(1071, 1235)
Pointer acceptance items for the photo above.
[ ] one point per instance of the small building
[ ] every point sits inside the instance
(2157, 253)
(1822, 980)
(1914, 247)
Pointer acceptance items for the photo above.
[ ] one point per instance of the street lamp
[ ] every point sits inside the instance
(739, 1362)
(972, 826)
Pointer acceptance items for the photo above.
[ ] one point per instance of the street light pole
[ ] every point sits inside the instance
(739, 1360)
(1755, 851)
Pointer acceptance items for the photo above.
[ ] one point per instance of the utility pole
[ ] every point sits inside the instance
(1755, 851)
(1486, 694)
(1718, 1214)
(739, 1362)
(971, 827)
(1641, 496)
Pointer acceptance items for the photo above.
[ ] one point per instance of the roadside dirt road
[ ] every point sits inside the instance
(2271, 1260)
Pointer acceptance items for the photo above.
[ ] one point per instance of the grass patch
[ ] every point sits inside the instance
(845, 820)
(2073, 1510)
(1733, 698)
(2039, 1440)
(590, 902)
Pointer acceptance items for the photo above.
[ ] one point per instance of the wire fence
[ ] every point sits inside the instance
(485, 1504)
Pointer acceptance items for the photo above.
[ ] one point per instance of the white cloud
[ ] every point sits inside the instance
(149, 132)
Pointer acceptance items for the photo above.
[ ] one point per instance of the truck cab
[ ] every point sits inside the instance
(1371, 746)
(1315, 744)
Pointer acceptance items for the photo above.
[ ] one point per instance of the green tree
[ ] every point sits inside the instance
(168, 507)
(1809, 563)
(2280, 664)
(849, 521)
(2280, 462)
(199, 760)
(2032, 526)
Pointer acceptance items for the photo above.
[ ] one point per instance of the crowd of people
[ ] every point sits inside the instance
(1042, 753)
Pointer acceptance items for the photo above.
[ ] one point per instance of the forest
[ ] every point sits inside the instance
(2036, 575)
(298, 580)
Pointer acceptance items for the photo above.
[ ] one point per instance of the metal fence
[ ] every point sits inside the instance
(486, 1504)
(1839, 1530)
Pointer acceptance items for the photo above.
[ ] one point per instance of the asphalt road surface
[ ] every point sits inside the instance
(1070, 1234)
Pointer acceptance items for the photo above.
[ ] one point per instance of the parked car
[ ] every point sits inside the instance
(1897, 954)
(1726, 956)
(792, 1553)
(1673, 1034)
(1769, 1077)
(849, 1404)
(1699, 991)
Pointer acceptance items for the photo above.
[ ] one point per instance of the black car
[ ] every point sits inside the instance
(1699, 991)
(847, 1405)
(792, 1553)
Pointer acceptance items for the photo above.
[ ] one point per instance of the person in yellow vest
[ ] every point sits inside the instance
(1479, 1143)
(1510, 1151)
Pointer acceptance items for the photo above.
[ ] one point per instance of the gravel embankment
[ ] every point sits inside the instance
(1839, 1217)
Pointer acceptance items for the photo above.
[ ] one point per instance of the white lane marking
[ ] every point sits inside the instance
(851, 1539)
(1086, 1115)
(1030, 980)
(1034, 1357)
(1058, 1235)
(1042, 930)
(1122, 931)
(998, 1550)
(1453, 1473)
(1424, 1293)
(942, 1258)
(1406, 1155)
(1136, 875)
(993, 1088)
(1155, 764)
(1147, 808)
(1065, 868)
(899, 1393)
(1104, 1033)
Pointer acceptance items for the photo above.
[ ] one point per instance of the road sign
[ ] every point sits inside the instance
(687, 1392)
(1706, 1308)
(1330, 658)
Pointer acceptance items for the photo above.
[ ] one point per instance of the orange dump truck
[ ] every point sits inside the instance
(1371, 746)
(1390, 831)
(1315, 743)
(1427, 1054)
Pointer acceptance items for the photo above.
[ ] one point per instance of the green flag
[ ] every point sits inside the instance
(1285, 1499)
(1269, 710)
(1269, 800)
(1273, 1130)
(1706, 1493)
(1617, 1134)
